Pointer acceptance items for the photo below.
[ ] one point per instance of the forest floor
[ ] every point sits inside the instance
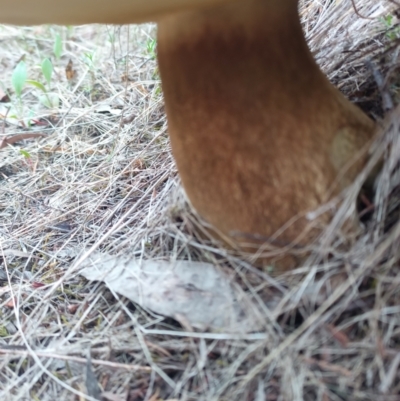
(86, 170)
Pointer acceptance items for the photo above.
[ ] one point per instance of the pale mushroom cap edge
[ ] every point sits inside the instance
(76, 12)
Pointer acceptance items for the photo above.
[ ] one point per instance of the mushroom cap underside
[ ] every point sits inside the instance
(75, 12)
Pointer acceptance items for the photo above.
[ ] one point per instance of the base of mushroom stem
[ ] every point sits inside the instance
(275, 255)
(273, 259)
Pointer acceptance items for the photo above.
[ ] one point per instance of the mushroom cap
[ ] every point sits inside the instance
(75, 12)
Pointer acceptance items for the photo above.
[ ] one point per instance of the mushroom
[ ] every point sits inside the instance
(259, 134)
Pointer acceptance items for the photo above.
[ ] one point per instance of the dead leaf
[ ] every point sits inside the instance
(37, 284)
(154, 397)
(113, 397)
(329, 367)
(70, 73)
(17, 253)
(338, 335)
(106, 108)
(198, 291)
(158, 348)
(72, 308)
(135, 166)
(136, 394)
(10, 303)
(128, 119)
(4, 97)
(16, 138)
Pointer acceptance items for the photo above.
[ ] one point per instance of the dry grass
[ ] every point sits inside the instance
(103, 178)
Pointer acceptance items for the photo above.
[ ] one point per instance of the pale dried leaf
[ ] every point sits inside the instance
(197, 291)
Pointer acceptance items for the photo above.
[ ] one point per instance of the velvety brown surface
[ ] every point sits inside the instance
(258, 133)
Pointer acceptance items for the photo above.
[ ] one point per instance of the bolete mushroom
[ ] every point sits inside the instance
(258, 133)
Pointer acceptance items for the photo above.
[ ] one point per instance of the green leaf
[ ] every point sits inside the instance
(47, 69)
(151, 47)
(89, 59)
(36, 84)
(3, 332)
(388, 20)
(18, 78)
(111, 37)
(25, 153)
(58, 46)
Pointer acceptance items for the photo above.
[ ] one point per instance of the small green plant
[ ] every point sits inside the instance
(70, 30)
(158, 90)
(27, 158)
(18, 78)
(151, 48)
(151, 51)
(25, 153)
(393, 29)
(47, 70)
(19, 81)
(388, 20)
(48, 99)
(3, 331)
(58, 46)
(111, 37)
(89, 60)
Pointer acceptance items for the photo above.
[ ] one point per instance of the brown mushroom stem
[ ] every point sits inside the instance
(258, 132)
